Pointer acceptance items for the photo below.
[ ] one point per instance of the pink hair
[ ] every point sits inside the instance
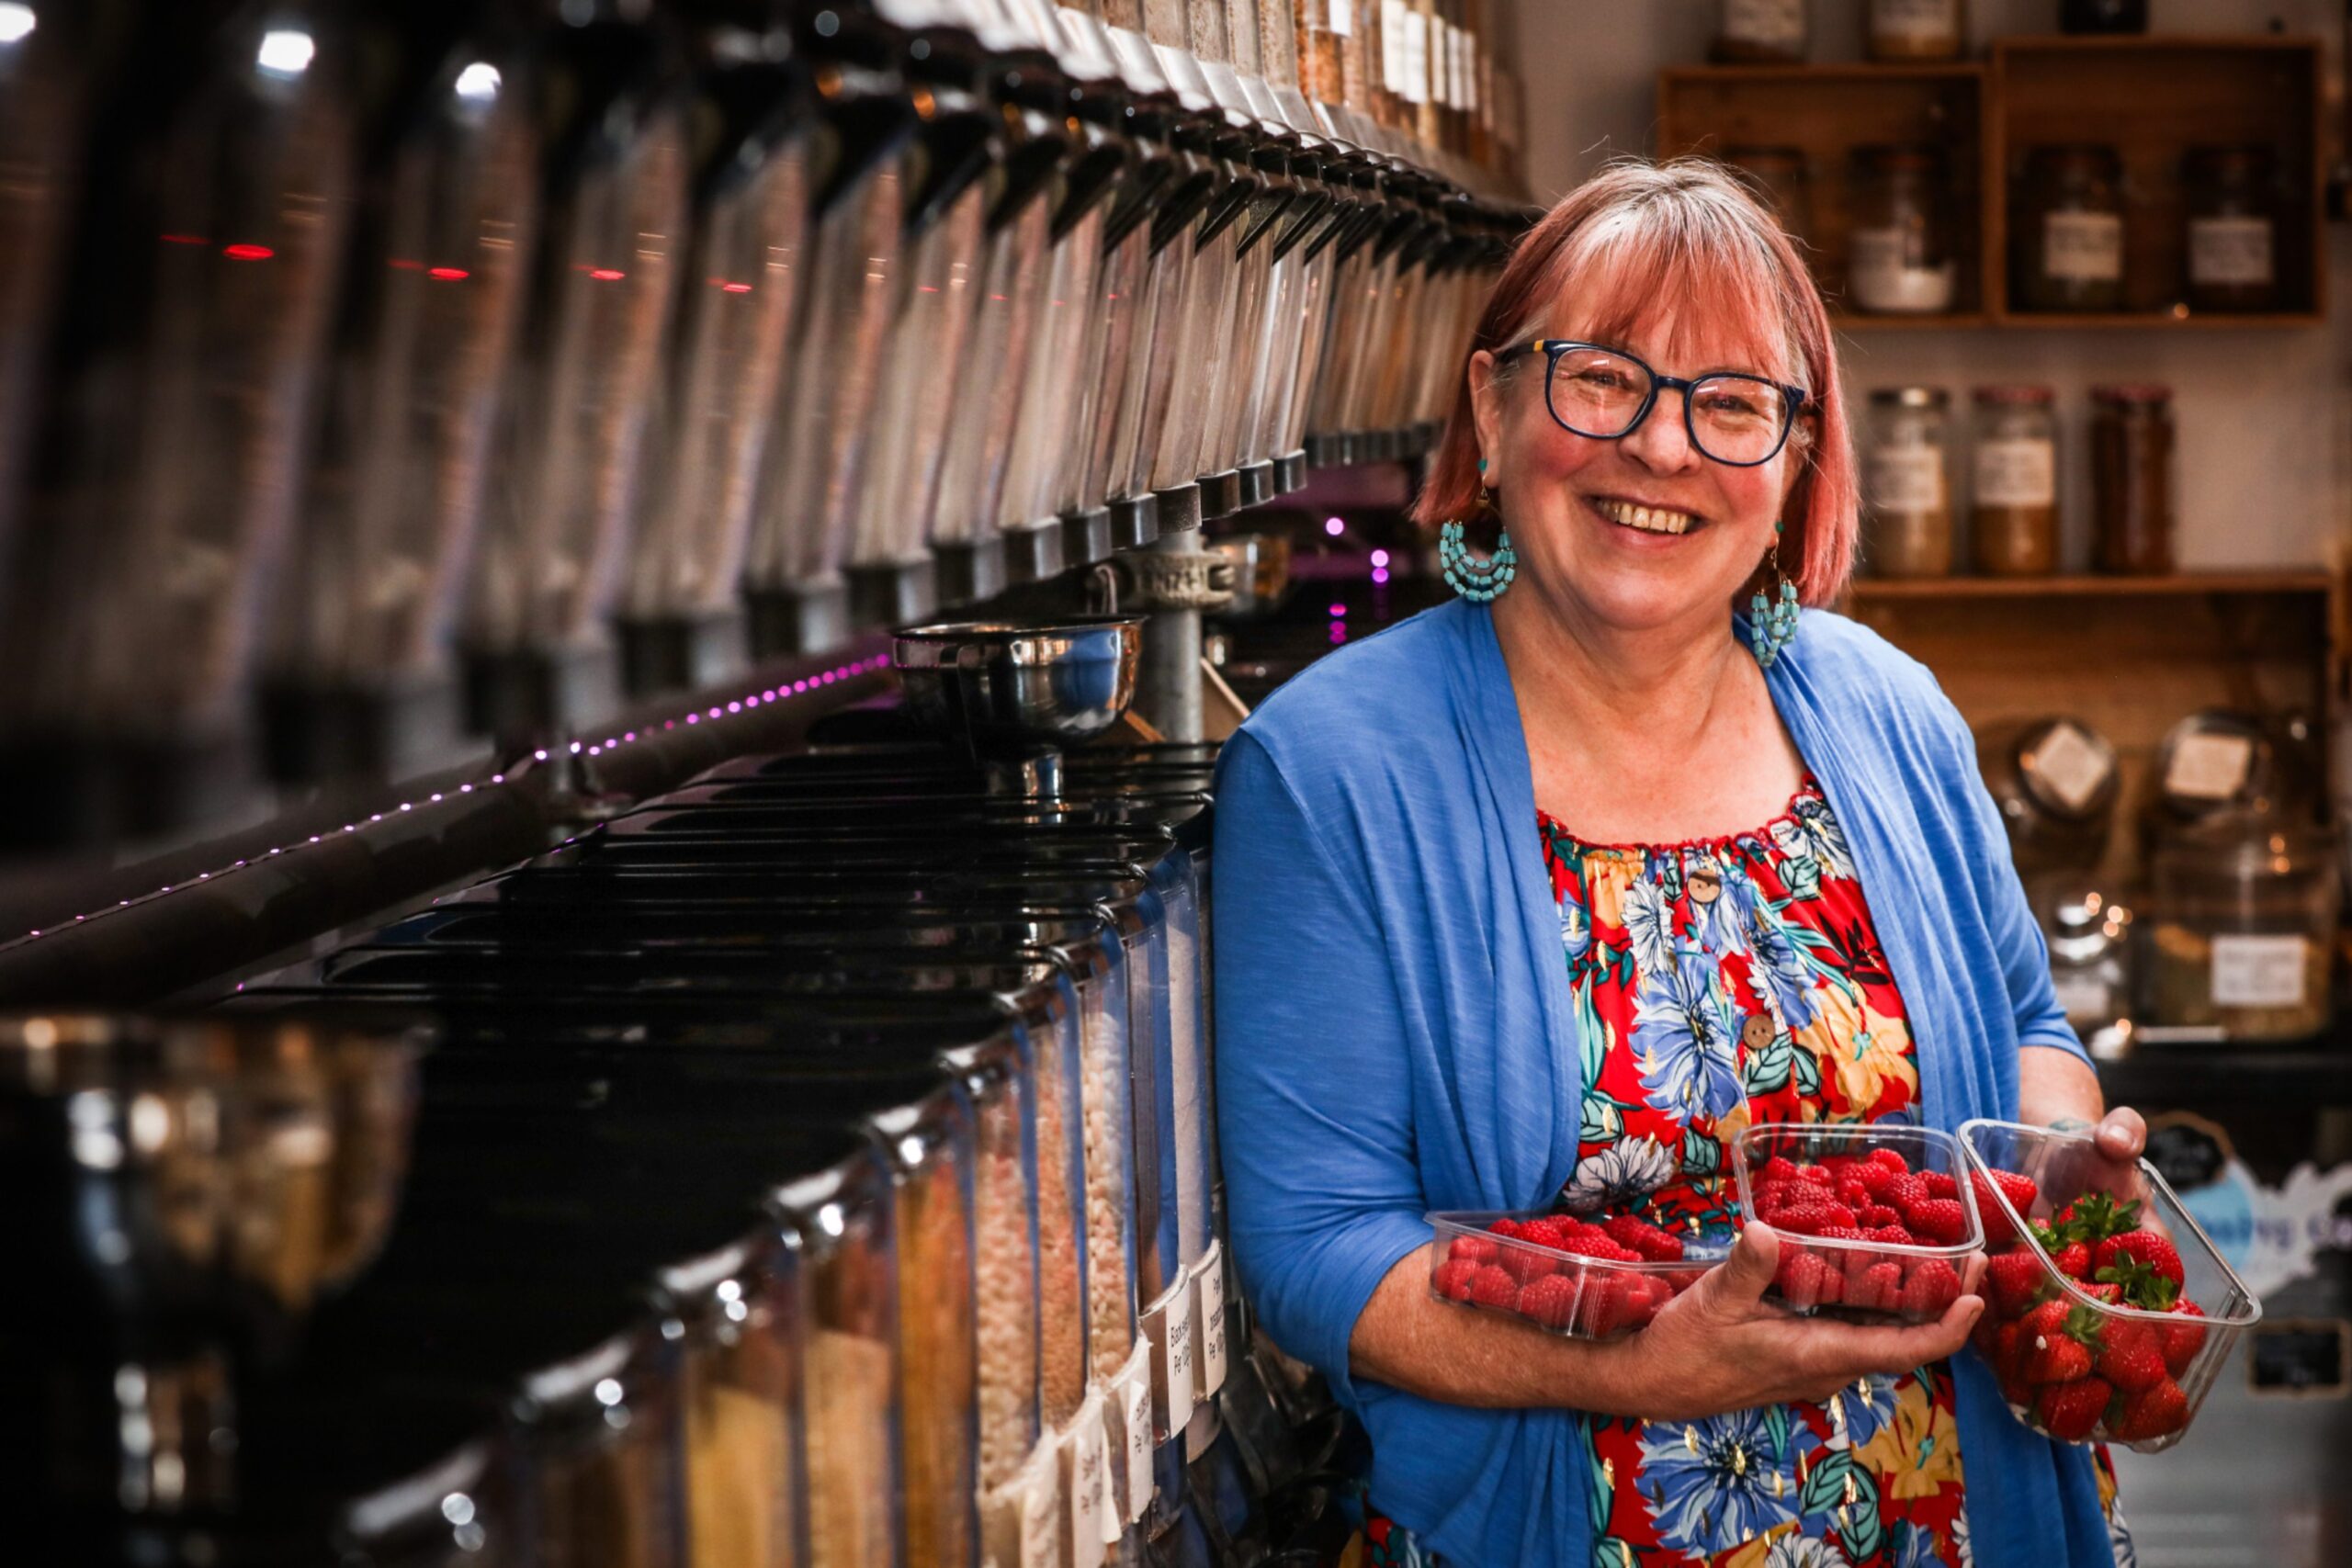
(1643, 240)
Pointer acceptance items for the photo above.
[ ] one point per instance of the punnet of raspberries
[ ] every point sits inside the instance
(2077, 1370)
(1593, 1278)
(1839, 1219)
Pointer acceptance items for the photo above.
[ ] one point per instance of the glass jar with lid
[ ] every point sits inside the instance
(1761, 32)
(2233, 252)
(2089, 934)
(2103, 15)
(1906, 483)
(2054, 781)
(2242, 926)
(1901, 256)
(1917, 30)
(2132, 447)
(2066, 245)
(2013, 519)
(1780, 177)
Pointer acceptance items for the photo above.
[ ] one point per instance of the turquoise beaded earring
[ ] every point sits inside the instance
(1481, 583)
(1772, 623)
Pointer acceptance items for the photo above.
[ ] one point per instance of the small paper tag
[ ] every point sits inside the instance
(2258, 971)
(1208, 1317)
(1086, 1481)
(1133, 1396)
(2019, 471)
(1170, 1324)
(2230, 251)
(2083, 247)
(1343, 18)
(2070, 764)
(2209, 767)
(1041, 1513)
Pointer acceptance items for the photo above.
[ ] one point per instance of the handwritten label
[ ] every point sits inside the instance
(2230, 251)
(1170, 1324)
(1086, 1479)
(1133, 1396)
(2017, 471)
(2083, 247)
(2258, 971)
(1907, 478)
(1208, 1314)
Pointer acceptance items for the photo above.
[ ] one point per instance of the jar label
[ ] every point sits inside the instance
(1169, 1323)
(1343, 18)
(2085, 993)
(1133, 1397)
(2258, 971)
(1392, 46)
(1208, 1313)
(1886, 277)
(1086, 1481)
(1041, 1513)
(2226, 251)
(1415, 62)
(2017, 471)
(2083, 247)
(1924, 20)
(1774, 23)
(2070, 764)
(1907, 478)
(2209, 767)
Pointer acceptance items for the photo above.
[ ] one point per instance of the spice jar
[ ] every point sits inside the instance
(1901, 259)
(1917, 30)
(2232, 251)
(2132, 444)
(2243, 925)
(1907, 481)
(1779, 177)
(2013, 523)
(2103, 15)
(2055, 780)
(1325, 29)
(2066, 252)
(1761, 32)
(2211, 761)
(2089, 936)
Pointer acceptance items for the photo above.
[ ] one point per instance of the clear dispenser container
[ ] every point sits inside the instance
(2242, 926)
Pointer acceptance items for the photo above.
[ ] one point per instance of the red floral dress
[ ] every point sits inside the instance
(1719, 983)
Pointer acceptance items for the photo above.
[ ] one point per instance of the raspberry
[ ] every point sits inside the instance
(1939, 1184)
(1451, 1278)
(1799, 1278)
(1875, 1216)
(1471, 1249)
(1890, 1236)
(1817, 1175)
(1507, 1228)
(1879, 1288)
(1611, 1303)
(1550, 1301)
(1940, 1222)
(1932, 1286)
(1903, 1192)
(1874, 1176)
(1494, 1287)
(1779, 1168)
(1646, 1240)
(1547, 1231)
(1891, 1159)
(1524, 1263)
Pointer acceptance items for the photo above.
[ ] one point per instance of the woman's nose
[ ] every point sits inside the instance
(1661, 443)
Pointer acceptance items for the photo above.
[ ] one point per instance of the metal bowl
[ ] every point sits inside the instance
(1261, 573)
(1007, 687)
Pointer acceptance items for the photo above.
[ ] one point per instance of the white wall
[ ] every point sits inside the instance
(2265, 421)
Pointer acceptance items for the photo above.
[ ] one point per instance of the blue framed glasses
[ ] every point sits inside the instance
(1732, 417)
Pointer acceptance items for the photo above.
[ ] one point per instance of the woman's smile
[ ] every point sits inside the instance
(1647, 517)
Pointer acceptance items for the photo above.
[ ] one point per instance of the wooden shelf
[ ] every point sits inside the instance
(2091, 586)
(2160, 321)
(1850, 321)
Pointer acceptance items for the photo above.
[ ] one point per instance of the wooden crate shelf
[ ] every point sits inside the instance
(2093, 586)
(2150, 97)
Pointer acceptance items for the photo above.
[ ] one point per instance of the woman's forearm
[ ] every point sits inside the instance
(2057, 1088)
(1408, 1340)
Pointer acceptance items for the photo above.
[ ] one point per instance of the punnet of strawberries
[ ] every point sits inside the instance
(2070, 1364)
(1863, 1233)
(1593, 1279)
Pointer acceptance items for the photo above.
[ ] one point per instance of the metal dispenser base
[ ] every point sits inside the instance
(892, 594)
(1086, 535)
(799, 619)
(1033, 552)
(1257, 485)
(1289, 471)
(1134, 521)
(1221, 493)
(525, 698)
(680, 653)
(314, 733)
(967, 569)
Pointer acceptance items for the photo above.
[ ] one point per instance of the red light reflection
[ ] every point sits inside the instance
(247, 252)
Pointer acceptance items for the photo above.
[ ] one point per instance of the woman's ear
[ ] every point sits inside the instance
(1486, 403)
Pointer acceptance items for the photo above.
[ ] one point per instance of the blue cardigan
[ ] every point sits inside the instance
(1394, 1034)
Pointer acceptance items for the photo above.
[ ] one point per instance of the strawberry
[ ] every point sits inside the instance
(2070, 1412)
(2183, 1340)
(1524, 1263)
(1550, 1301)
(1932, 1286)
(2142, 1247)
(1799, 1275)
(2157, 1411)
(2137, 1283)
(1471, 1249)
(2061, 1354)
(1451, 1278)
(2092, 1217)
(2013, 1281)
(1888, 1160)
(2073, 1259)
(1881, 1290)
(2130, 1356)
(1494, 1287)
(2009, 1365)
(1940, 1222)
(2111, 1295)
(2017, 1187)
(1939, 1184)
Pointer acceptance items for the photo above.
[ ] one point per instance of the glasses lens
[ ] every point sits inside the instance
(1595, 393)
(1738, 418)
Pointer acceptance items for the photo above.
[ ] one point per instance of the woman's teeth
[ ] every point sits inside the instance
(1648, 519)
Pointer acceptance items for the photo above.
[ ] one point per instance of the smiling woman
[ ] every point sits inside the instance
(1600, 878)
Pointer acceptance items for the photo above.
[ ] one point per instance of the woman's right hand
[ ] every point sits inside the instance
(1720, 1346)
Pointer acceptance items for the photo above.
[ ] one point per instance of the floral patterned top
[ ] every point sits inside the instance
(1718, 983)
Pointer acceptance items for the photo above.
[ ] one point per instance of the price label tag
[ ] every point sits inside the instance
(1343, 18)
(2209, 767)
(1169, 1325)
(1041, 1515)
(1086, 1479)
(1134, 1385)
(2259, 971)
(1392, 46)
(2083, 247)
(2071, 764)
(1415, 84)
(2229, 250)
(2017, 471)
(1208, 1317)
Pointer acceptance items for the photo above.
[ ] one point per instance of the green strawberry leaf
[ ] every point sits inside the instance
(2142, 1286)
(2084, 1325)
